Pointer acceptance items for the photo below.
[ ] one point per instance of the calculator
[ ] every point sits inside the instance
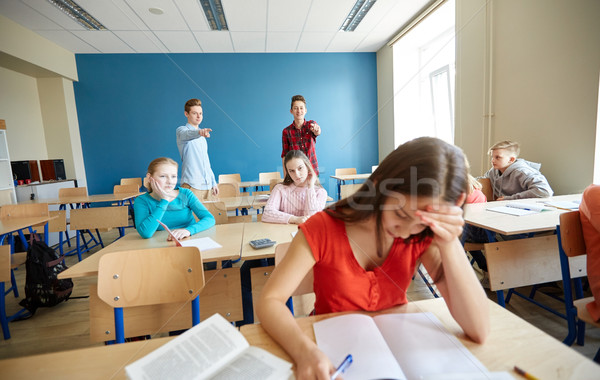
(262, 243)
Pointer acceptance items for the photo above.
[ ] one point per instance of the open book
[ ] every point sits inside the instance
(214, 349)
(395, 346)
(518, 208)
(203, 244)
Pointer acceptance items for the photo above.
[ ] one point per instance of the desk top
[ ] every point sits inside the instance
(85, 199)
(227, 235)
(281, 233)
(476, 214)
(512, 341)
(8, 225)
(350, 177)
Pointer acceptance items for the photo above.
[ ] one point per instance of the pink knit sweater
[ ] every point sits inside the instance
(288, 201)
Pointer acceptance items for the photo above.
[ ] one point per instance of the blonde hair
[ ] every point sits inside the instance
(511, 146)
(154, 166)
(473, 184)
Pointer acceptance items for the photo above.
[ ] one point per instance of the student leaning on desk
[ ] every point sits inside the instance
(514, 178)
(163, 202)
(364, 250)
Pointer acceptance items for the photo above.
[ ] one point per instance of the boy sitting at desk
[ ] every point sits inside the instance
(515, 178)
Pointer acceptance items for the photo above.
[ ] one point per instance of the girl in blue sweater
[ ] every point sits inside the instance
(173, 207)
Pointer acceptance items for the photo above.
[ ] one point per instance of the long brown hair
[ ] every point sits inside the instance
(292, 154)
(423, 167)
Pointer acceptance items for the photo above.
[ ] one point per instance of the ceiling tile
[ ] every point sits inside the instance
(114, 14)
(282, 42)
(104, 41)
(315, 42)
(193, 14)
(54, 14)
(68, 41)
(248, 42)
(171, 19)
(179, 42)
(327, 16)
(287, 15)
(246, 16)
(142, 41)
(27, 16)
(345, 41)
(215, 41)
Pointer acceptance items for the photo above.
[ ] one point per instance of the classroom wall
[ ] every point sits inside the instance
(385, 101)
(37, 99)
(528, 71)
(129, 106)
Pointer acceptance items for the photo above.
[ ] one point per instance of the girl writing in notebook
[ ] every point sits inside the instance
(364, 250)
(173, 207)
(299, 196)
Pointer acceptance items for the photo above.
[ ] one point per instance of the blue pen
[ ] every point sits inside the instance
(342, 367)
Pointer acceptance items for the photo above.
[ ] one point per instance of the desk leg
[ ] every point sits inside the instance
(500, 295)
(46, 233)
(339, 189)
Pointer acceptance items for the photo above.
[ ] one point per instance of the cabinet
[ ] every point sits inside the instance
(7, 184)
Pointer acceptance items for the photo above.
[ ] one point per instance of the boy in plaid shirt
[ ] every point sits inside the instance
(301, 134)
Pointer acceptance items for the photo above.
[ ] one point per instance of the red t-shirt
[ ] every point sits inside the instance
(341, 284)
(589, 214)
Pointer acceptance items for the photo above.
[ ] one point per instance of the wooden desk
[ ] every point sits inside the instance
(521, 262)
(11, 224)
(228, 235)
(281, 233)
(347, 177)
(119, 197)
(512, 342)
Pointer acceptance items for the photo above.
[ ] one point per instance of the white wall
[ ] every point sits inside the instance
(20, 107)
(543, 86)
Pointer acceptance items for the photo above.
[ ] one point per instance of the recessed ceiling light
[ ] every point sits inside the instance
(357, 13)
(73, 10)
(156, 11)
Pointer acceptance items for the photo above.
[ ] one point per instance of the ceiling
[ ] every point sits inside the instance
(255, 26)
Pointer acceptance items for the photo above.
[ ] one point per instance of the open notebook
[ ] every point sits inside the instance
(519, 208)
(203, 244)
(397, 346)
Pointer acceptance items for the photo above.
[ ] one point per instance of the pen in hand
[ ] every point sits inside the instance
(342, 367)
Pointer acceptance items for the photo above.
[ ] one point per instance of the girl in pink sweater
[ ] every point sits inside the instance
(299, 196)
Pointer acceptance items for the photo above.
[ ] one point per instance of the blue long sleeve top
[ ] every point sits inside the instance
(179, 213)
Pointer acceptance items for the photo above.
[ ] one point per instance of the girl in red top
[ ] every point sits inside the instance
(364, 250)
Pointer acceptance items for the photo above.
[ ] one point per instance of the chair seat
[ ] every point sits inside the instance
(582, 311)
(17, 259)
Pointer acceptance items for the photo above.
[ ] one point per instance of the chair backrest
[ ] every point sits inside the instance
(347, 190)
(132, 181)
(571, 234)
(24, 210)
(59, 222)
(486, 188)
(131, 188)
(230, 178)
(267, 177)
(218, 210)
(150, 276)
(306, 286)
(227, 190)
(273, 183)
(345, 171)
(99, 217)
(374, 167)
(241, 219)
(72, 191)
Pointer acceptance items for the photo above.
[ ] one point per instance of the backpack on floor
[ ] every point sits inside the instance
(42, 287)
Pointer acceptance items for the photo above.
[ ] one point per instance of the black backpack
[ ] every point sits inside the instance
(42, 287)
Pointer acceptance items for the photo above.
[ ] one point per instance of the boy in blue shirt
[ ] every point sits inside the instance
(196, 173)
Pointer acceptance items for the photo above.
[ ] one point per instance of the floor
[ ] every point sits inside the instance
(66, 326)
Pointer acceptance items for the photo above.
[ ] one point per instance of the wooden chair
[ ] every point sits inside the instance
(571, 246)
(230, 178)
(219, 211)
(132, 181)
(347, 190)
(128, 189)
(345, 171)
(94, 219)
(486, 188)
(273, 183)
(150, 277)
(8, 262)
(123, 189)
(227, 190)
(267, 177)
